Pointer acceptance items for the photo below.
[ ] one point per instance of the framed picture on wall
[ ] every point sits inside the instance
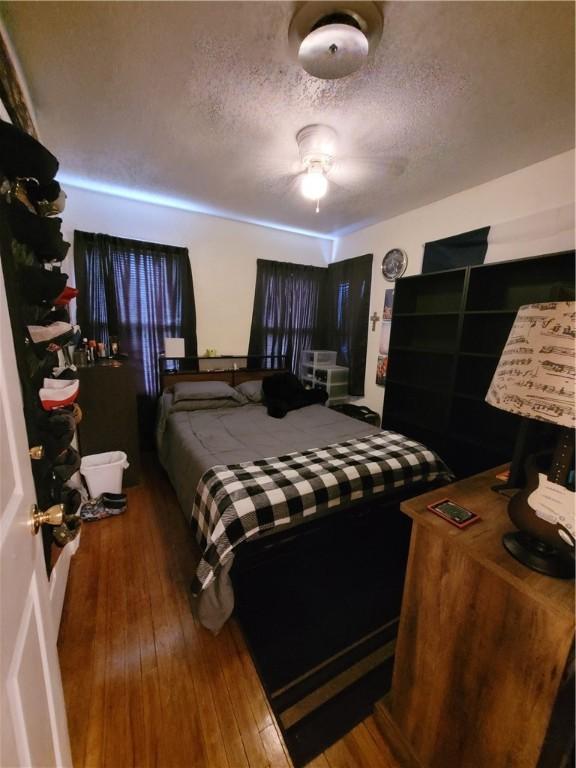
(388, 303)
(381, 367)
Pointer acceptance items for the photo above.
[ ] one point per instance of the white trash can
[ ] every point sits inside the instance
(103, 472)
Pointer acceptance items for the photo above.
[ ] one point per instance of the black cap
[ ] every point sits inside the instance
(39, 285)
(23, 155)
(40, 233)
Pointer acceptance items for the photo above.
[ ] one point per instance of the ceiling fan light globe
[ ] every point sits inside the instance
(314, 185)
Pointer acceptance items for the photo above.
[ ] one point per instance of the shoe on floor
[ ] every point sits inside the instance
(95, 509)
(113, 499)
(114, 502)
(113, 511)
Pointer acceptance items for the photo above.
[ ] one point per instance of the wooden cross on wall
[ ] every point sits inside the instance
(374, 319)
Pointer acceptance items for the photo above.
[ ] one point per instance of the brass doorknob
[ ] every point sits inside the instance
(54, 515)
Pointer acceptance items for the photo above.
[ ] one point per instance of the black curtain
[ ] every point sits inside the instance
(285, 314)
(345, 311)
(463, 250)
(139, 292)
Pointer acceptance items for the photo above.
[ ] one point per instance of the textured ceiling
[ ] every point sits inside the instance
(201, 101)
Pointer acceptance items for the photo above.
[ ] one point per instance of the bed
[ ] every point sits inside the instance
(241, 476)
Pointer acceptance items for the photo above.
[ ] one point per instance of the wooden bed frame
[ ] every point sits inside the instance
(232, 369)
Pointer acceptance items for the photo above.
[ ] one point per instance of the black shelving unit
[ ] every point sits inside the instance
(448, 331)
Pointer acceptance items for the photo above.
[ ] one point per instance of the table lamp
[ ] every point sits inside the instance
(535, 378)
(174, 347)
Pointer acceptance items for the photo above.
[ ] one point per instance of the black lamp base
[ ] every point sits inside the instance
(538, 556)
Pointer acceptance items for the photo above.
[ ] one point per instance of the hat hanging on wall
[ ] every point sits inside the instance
(332, 41)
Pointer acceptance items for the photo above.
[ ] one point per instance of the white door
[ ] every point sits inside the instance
(33, 728)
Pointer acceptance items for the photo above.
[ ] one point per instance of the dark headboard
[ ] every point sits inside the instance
(233, 369)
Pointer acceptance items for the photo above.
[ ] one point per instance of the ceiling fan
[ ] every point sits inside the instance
(323, 169)
(331, 41)
(317, 147)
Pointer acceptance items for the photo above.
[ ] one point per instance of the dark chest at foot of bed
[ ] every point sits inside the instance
(319, 608)
(304, 595)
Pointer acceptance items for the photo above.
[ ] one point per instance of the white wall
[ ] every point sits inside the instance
(222, 252)
(530, 211)
(534, 208)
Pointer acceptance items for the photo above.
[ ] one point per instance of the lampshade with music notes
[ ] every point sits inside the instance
(535, 377)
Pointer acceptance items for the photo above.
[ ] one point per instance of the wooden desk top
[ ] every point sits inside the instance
(483, 540)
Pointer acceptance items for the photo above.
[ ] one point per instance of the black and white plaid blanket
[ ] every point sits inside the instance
(238, 501)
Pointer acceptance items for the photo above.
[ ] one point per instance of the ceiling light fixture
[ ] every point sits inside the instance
(314, 183)
(335, 47)
(331, 40)
(317, 145)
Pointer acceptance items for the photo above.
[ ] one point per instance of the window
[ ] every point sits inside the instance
(139, 292)
(300, 307)
(285, 315)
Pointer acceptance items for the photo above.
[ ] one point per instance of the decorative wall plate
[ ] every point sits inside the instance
(394, 264)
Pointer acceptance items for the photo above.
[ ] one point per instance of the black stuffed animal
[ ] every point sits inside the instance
(284, 392)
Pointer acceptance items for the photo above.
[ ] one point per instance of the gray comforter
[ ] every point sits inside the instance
(191, 442)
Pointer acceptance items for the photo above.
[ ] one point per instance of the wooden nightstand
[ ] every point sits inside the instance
(484, 647)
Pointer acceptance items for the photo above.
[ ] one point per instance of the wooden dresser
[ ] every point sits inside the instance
(109, 419)
(485, 646)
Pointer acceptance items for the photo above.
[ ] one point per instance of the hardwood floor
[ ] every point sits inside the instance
(145, 684)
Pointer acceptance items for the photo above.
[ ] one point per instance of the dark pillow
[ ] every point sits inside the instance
(205, 390)
(206, 405)
(252, 390)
